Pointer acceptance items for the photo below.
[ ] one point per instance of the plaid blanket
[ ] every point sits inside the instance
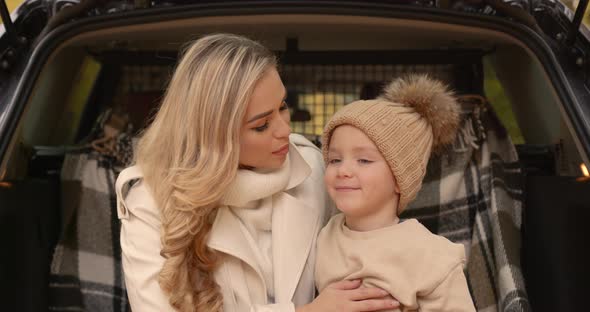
(473, 195)
(86, 272)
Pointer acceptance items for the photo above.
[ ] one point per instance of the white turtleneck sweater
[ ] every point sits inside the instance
(249, 197)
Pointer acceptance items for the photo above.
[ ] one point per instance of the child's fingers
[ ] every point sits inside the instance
(346, 284)
(376, 305)
(365, 293)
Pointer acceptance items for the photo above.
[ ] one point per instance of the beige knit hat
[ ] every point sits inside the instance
(412, 117)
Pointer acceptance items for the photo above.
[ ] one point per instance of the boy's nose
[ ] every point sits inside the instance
(344, 170)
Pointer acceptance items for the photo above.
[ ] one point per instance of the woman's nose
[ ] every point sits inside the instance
(284, 128)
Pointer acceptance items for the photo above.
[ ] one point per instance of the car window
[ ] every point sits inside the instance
(573, 4)
(315, 92)
(498, 99)
(59, 100)
(12, 5)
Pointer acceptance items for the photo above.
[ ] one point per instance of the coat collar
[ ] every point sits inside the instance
(294, 225)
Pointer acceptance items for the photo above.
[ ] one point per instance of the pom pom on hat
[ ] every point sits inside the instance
(432, 100)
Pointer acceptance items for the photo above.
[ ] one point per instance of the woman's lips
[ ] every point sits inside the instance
(282, 151)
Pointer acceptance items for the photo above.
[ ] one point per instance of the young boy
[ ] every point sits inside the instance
(376, 153)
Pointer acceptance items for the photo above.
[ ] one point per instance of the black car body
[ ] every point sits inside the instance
(536, 48)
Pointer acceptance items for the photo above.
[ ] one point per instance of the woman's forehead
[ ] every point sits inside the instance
(267, 95)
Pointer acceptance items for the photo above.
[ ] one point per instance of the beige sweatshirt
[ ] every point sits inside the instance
(423, 271)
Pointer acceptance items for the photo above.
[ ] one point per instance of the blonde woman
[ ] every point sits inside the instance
(222, 209)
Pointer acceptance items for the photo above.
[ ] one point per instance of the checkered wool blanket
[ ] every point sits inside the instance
(86, 272)
(473, 194)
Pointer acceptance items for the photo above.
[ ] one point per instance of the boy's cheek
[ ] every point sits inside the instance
(333, 195)
(327, 176)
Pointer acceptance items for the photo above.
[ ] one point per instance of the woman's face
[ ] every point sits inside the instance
(264, 138)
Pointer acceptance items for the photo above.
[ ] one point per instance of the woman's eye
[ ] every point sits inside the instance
(284, 106)
(261, 128)
(364, 161)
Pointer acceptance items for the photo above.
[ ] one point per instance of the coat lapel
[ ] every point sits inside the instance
(295, 225)
(228, 236)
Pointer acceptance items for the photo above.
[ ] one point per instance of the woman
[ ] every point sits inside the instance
(223, 206)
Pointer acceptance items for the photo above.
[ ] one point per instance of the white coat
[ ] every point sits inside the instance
(298, 214)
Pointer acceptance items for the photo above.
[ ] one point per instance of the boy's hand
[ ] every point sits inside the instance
(348, 296)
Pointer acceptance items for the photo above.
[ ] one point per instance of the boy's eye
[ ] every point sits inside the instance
(261, 128)
(333, 161)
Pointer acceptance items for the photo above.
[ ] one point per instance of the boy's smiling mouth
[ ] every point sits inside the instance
(346, 188)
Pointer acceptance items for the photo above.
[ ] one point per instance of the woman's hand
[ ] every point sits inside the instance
(348, 296)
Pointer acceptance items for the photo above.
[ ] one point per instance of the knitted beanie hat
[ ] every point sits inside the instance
(413, 116)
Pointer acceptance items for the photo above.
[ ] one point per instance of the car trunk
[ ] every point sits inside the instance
(328, 58)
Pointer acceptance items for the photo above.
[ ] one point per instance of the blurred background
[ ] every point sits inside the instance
(493, 88)
(12, 4)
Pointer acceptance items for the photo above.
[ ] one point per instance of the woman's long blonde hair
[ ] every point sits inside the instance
(190, 154)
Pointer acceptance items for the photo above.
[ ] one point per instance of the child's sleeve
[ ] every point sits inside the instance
(452, 294)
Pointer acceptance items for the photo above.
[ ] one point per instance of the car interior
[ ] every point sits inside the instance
(114, 77)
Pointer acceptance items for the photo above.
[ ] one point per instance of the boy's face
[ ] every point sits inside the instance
(357, 177)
